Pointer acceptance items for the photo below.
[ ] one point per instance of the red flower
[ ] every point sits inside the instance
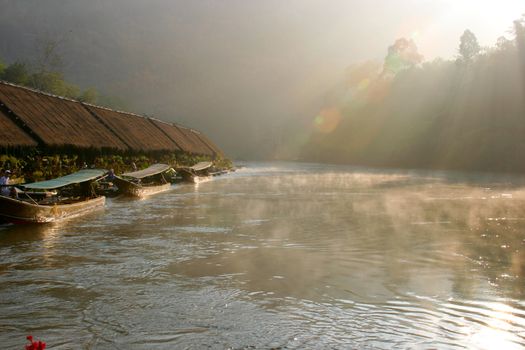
(40, 345)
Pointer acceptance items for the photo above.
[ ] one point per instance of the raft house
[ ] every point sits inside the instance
(37, 123)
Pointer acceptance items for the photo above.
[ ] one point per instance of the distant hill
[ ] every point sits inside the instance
(467, 113)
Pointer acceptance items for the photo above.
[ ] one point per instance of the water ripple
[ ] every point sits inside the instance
(295, 256)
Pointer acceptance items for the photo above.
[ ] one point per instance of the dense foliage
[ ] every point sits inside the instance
(467, 113)
(45, 75)
(37, 166)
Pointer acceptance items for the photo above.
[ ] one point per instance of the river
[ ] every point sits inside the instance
(278, 255)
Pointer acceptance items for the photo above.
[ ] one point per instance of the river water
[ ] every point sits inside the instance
(278, 255)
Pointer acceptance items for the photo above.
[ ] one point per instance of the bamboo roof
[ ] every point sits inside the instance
(201, 166)
(210, 144)
(11, 135)
(29, 117)
(134, 130)
(176, 135)
(196, 143)
(56, 121)
(150, 171)
(80, 176)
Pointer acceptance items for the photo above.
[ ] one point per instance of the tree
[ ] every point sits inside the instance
(468, 46)
(89, 95)
(403, 54)
(48, 59)
(519, 30)
(2, 68)
(504, 44)
(16, 73)
(47, 74)
(53, 83)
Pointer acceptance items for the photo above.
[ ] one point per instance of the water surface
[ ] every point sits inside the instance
(279, 255)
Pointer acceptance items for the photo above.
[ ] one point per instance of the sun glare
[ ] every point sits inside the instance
(489, 20)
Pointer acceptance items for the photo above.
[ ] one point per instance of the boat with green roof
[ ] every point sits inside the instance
(53, 200)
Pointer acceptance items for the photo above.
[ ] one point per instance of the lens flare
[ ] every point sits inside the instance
(327, 120)
(363, 84)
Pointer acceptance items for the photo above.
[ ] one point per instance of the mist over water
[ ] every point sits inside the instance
(279, 255)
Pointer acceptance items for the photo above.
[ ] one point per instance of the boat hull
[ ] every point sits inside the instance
(188, 176)
(135, 190)
(17, 211)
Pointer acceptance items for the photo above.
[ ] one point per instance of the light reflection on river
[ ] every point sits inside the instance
(278, 255)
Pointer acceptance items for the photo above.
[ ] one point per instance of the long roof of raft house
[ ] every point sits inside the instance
(209, 143)
(184, 138)
(136, 131)
(193, 139)
(33, 118)
(11, 135)
(56, 121)
(174, 134)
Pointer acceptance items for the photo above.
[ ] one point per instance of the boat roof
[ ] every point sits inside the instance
(75, 178)
(150, 171)
(201, 166)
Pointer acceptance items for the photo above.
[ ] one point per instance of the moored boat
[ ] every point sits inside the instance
(151, 180)
(197, 173)
(53, 200)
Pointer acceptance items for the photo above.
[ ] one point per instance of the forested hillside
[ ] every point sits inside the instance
(47, 76)
(466, 113)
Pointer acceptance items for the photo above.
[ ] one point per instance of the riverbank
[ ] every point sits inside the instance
(31, 168)
(43, 136)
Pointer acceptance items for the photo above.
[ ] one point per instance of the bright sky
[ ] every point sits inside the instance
(436, 31)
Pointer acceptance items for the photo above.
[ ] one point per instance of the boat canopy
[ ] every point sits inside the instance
(201, 166)
(75, 178)
(150, 171)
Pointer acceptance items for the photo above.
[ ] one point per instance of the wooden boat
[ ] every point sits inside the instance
(219, 172)
(54, 200)
(197, 173)
(145, 182)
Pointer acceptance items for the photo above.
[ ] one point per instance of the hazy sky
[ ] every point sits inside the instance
(436, 24)
(237, 68)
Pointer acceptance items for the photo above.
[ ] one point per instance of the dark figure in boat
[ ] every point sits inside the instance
(107, 185)
(4, 182)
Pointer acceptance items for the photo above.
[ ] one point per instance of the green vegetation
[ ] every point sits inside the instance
(53, 82)
(16, 73)
(34, 166)
(45, 75)
(468, 46)
(467, 113)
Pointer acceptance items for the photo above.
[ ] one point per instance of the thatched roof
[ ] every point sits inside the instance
(136, 131)
(176, 135)
(34, 117)
(209, 143)
(196, 143)
(11, 135)
(56, 121)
